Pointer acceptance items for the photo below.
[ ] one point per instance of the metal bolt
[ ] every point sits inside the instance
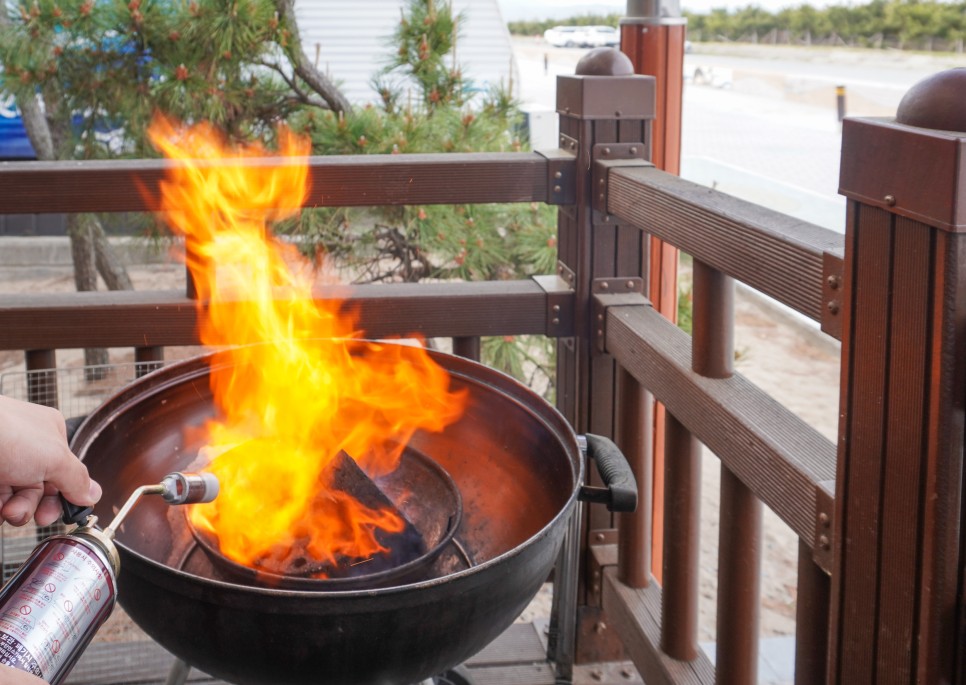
(600, 627)
(600, 536)
(595, 588)
(560, 269)
(600, 334)
(555, 321)
(890, 200)
(597, 674)
(833, 307)
(633, 150)
(606, 150)
(833, 282)
(823, 519)
(600, 317)
(558, 175)
(626, 673)
(823, 542)
(601, 196)
(555, 308)
(573, 145)
(556, 189)
(596, 575)
(604, 285)
(617, 113)
(630, 285)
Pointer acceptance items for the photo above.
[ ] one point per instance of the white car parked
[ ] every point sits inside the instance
(582, 36)
(601, 36)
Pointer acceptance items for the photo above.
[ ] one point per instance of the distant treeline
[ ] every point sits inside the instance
(902, 24)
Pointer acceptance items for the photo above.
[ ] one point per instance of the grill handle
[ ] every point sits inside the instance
(620, 491)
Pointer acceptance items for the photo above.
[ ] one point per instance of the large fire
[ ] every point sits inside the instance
(297, 385)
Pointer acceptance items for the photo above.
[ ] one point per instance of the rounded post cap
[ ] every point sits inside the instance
(605, 62)
(937, 102)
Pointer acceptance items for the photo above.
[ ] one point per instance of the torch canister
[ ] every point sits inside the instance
(65, 590)
(51, 608)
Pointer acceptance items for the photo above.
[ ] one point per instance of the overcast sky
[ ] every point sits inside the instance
(514, 10)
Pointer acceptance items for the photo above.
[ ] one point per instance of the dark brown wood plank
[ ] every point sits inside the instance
(336, 181)
(636, 614)
(941, 647)
(602, 371)
(774, 452)
(933, 194)
(902, 483)
(865, 360)
(140, 318)
(811, 621)
(767, 250)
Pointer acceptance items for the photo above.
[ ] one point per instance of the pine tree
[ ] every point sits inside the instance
(427, 104)
(89, 75)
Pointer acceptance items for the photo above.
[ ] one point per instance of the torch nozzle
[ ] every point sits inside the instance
(175, 488)
(189, 488)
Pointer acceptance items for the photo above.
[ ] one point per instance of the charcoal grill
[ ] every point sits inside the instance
(515, 462)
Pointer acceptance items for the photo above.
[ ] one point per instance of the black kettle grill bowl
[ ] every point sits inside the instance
(513, 457)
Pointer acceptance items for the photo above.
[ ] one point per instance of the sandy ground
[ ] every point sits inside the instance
(785, 357)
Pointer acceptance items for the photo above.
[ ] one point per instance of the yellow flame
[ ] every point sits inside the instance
(297, 386)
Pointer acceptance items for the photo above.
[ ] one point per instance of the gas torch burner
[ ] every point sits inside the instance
(65, 590)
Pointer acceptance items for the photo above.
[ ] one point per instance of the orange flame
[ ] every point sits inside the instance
(309, 388)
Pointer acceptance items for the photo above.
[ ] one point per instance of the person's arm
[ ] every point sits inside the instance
(13, 676)
(36, 464)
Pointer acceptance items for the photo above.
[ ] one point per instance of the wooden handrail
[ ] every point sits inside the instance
(336, 181)
(772, 252)
(784, 467)
(153, 318)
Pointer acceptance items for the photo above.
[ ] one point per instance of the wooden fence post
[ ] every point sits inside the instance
(605, 112)
(652, 36)
(898, 552)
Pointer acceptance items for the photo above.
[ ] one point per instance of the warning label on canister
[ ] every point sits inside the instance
(12, 653)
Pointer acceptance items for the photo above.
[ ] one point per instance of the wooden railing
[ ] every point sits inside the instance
(884, 502)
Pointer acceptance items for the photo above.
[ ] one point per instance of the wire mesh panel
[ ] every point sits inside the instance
(76, 391)
(121, 652)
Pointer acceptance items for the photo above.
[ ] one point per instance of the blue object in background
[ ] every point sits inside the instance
(14, 143)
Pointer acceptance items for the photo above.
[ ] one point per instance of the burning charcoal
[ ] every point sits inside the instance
(344, 475)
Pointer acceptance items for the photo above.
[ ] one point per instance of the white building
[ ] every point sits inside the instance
(352, 41)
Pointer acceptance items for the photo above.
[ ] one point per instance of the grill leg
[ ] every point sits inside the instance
(178, 675)
(563, 618)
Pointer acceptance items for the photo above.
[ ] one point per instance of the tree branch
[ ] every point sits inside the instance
(303, 66)
(302, 97)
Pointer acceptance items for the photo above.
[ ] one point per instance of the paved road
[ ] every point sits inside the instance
(761, 123)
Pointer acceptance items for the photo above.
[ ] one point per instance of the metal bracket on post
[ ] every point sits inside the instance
(613, 292)
(833, 282)
(561, 176)
(568, 143)
(824, 517)
(604, 158)
(567, 274)
(560, 305)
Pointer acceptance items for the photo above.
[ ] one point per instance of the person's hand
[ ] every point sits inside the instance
(36, 464)
(14, 676)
